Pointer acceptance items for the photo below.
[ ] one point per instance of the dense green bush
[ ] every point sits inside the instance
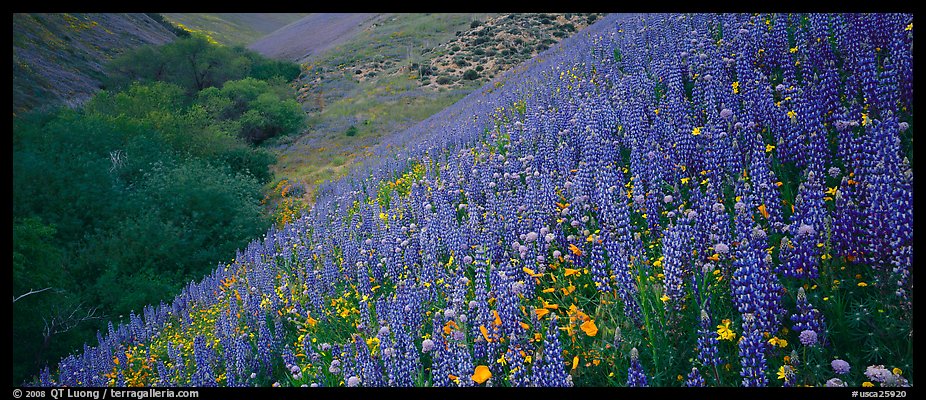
(194, 64)
(120, 203)
(251, 109)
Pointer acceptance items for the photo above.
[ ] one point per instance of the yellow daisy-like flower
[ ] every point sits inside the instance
(868, 384)
(862, 284)
(696, 131)
(724, 332)
(897, 371)
(775, 341)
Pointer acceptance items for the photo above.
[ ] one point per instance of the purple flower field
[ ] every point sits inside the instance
(658, 200)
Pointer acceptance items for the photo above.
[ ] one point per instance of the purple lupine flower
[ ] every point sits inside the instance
(808, 318)
(677, 248)
(752, 354)
(635, 375)
(788, 372)
(202, 353)
(695, 379)
(549, 369)
(707, 342)
(600, 270)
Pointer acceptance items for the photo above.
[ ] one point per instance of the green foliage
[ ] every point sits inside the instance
(186, 217)
(36, 260)
(194, 64)
(122, 202)
(251, 109)
(471, 74)
(270, 69)
(352, 131)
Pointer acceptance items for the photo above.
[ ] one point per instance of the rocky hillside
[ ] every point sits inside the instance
(491, 45)
(59, 58)
(497, 45)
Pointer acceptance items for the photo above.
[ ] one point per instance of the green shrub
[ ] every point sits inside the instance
(194, 64)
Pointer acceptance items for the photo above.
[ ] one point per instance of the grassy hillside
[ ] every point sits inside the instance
(233, 28)
(397, 72)
(59, 58)
(314, 34)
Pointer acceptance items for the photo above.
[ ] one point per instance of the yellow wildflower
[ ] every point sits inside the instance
(724, 332)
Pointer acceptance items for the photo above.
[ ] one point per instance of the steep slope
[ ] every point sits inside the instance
(233, 28)
(629, 208)
(402, 69)
(59, 58)
(312, 35)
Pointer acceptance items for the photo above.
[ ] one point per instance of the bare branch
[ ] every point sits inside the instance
(61, 323)
(30, 292)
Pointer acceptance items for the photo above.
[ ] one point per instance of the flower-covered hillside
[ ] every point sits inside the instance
(662, 200)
